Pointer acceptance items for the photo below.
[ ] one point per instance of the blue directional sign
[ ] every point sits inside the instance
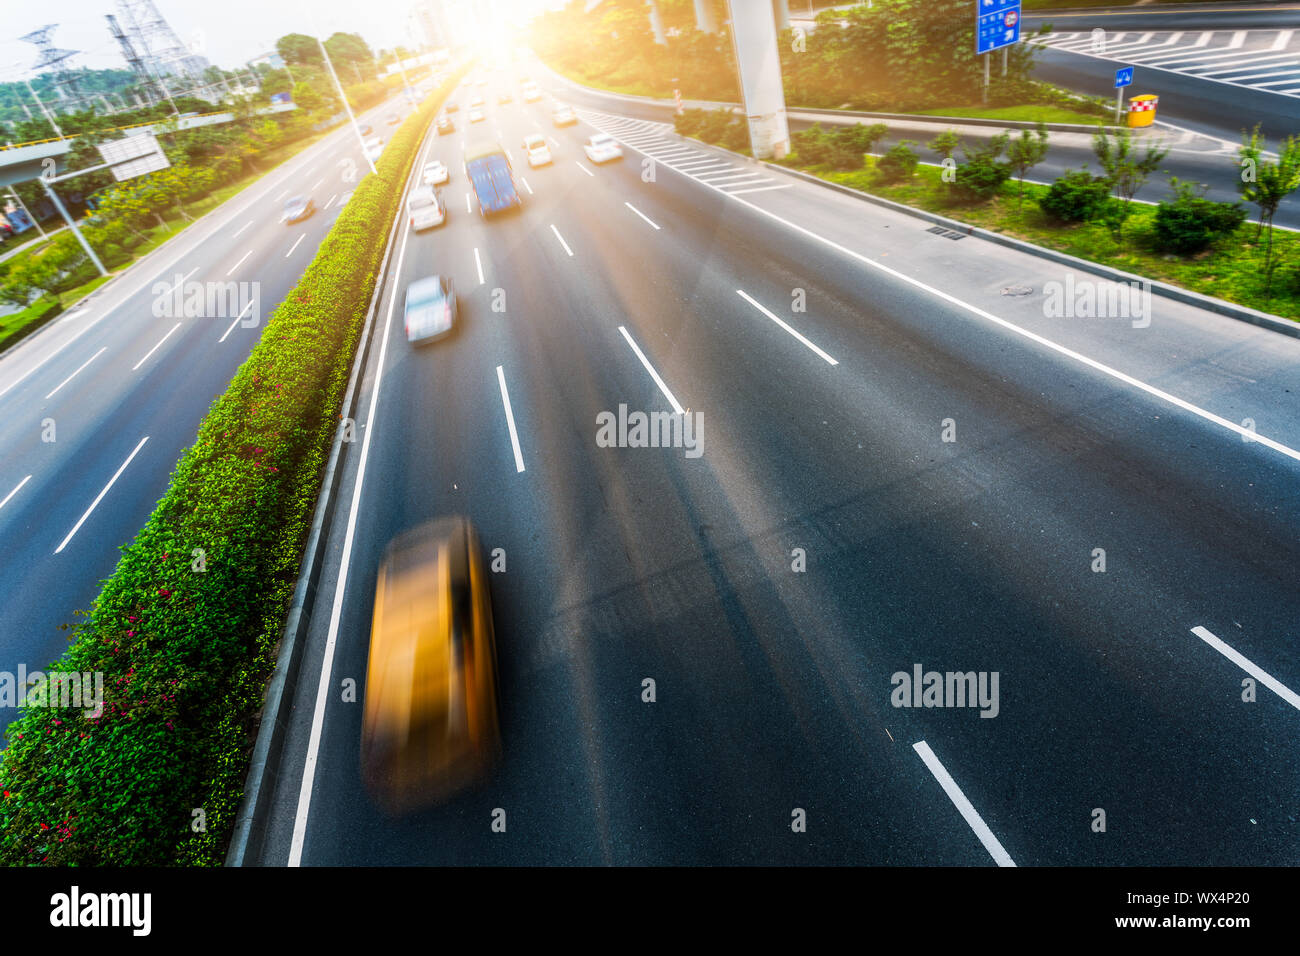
(997, 24)
(1123, 76)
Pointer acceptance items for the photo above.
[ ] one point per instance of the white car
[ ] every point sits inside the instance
(436, 173)
(424, 210)
(601, 148)
(476, 116)
(535, 148)
(532, 92)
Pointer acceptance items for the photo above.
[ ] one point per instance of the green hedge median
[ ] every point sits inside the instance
(186, 653)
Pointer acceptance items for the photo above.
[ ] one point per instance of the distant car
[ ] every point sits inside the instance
(535, 148)
(482, 81)
(563, 116)
(424, 210)
(393, 119)
(504, 98)
(451, 107)
(365, 129)
(476, 116)
(476, 102)
(435, 173)
(373, 148)
(445, 126)
(430, 724)
(430, 308)
(298, 208)
(601, 148)
(532, 92)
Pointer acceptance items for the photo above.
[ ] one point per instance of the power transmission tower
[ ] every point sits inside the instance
(55, 60)
(144, 79)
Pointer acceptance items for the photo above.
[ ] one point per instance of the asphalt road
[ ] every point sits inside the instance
(822, 431)
(97, 408)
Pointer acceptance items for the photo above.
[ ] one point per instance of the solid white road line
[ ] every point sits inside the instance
(74, 374)
(295, 245)
(561, 238)
(234, 323)
(963, 805)
(1268, 680)
(478, 264)
(156, 347)
(340, 588)
(239, 263)
(72, 315)
(17, 489)
(672, 399)
(584, 168)
(510, 420)
(241, 229)
(468, 207)
(100, 496)
(777, 319)
(641, 214)
(524, 180)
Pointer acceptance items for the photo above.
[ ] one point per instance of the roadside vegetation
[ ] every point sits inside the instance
(895, 56)
(185, 630)
(1186, 239)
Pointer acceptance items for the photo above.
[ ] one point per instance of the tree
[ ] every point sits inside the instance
(1126, 171)
(1267, 183)
(1024, 153)
(945, 144)
(298, 48)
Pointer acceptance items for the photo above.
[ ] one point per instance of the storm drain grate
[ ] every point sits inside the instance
(946, 233)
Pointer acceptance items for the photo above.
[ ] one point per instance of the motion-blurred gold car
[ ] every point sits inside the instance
(430, 724)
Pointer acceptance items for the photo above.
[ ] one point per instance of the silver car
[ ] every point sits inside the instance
(430, 308)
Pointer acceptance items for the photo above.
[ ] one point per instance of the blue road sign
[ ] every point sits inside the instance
(997, 24)
(1123, 76)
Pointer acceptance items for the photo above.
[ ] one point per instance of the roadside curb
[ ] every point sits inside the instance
(1167, 290)
(249, 830)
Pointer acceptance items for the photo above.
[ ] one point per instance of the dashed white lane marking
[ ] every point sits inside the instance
(781, 322)
(510, 420)
(561, 238)
(641, 214)
(74, 374)
(17, 488)
(672, 399)
(137, 365)
(100, 497)
(972, 818)
(1251, 668)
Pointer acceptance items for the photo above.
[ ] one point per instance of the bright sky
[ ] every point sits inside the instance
(228, 32)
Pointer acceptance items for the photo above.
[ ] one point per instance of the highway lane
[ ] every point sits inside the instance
(773, 685)
(121, 383)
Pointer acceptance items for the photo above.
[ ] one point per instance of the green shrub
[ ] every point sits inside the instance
(979, 179)
(186, 654)
(1076, 196)
(981, 176)
(898, 163)
(1190, 223)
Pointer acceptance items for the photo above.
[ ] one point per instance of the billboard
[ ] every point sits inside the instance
(134, 156)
